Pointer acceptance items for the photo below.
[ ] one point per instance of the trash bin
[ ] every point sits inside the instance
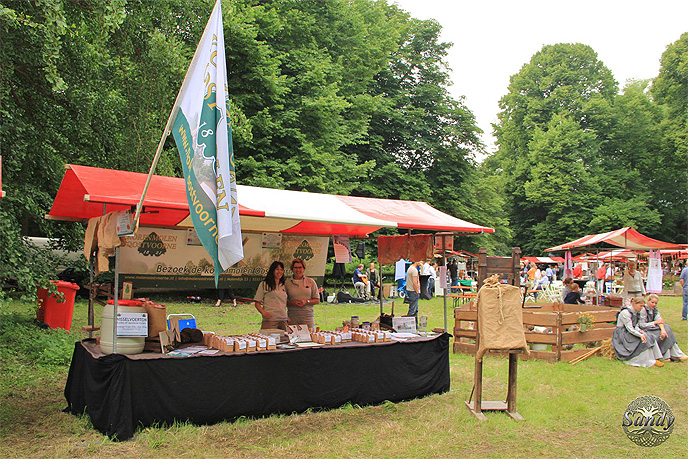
(52, 310)
(386, 289)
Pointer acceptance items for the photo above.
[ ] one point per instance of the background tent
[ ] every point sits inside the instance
(626, 237)
(549, 260)
(87, 192)
(615, 255)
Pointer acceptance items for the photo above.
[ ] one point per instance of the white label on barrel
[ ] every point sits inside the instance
(132, 324)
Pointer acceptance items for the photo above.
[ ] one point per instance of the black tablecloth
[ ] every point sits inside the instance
(120, 393)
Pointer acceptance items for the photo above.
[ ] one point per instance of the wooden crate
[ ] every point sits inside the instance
(560, 318)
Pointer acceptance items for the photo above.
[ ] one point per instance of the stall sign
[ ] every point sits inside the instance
(168, 258)
(342, 249)
(132, 324)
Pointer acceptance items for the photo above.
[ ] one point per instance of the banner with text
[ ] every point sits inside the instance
(168, 258)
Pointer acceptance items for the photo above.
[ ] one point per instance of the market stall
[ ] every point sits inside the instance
(629, 240)
(122, 392)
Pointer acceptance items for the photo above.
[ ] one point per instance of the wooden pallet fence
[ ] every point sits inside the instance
(559, 320)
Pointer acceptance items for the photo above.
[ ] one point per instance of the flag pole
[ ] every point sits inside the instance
(166, 132)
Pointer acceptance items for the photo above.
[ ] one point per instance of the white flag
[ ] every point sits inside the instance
(203, 133)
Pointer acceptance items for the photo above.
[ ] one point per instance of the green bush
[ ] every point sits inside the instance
(22, 340)
(669, 281)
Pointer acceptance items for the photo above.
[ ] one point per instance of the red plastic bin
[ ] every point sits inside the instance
(53, 311)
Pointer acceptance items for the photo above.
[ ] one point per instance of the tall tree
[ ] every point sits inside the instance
(558, 83)
(670, 187)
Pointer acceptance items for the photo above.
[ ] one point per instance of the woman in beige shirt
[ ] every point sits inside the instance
(302, 295)
(271, 298)
(633, 282)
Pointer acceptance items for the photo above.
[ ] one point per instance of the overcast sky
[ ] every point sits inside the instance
(493, 39)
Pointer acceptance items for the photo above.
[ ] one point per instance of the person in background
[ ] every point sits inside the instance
(578, 271)
(426, 268)
(271, 298)
(567, 288)
(683, 282)
(373, 280)
(432, 270)
(360, 281)
(600, 275)
(633, 282)
(574, 296)
(550, 273)
(524, 272)
(453, 272)
(633, 345)
(653, 323)
(223, 293)
(413, 289)
(531, 275)
(302, 295)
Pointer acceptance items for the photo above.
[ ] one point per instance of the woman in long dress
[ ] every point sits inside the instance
(652, 322)
(631, 344)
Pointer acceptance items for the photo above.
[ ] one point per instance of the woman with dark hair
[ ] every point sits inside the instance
(271, 298)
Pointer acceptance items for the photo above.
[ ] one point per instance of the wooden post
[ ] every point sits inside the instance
(477, 406)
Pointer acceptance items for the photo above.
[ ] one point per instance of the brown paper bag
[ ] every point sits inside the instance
(157, 318)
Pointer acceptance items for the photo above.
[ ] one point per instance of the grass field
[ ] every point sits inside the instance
(569, 411)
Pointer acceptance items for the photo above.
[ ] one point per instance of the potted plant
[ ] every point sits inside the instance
(585, 321)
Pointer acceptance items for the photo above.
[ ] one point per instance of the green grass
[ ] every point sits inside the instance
(570, 411)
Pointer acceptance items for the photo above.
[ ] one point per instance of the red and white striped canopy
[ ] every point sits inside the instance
(88, 192)
(626, 237)
(549, 260)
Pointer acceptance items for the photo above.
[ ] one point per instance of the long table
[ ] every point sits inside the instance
(121, 393)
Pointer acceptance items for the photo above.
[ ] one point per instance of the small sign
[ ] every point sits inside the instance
(125, 223)
(443, 277)
(342, 248)
(299, 334)
(404, 324)
(132, 324)
(192, 237)
(127, 290)
(272, 240)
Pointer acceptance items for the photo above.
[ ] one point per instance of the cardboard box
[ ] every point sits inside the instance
(240, 345)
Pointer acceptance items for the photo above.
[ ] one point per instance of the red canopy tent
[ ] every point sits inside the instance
(626, 237)
(549, 260)
(615, 255)
(88, 192)
(679, 254)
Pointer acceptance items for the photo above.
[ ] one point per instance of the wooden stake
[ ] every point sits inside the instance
(585, 356)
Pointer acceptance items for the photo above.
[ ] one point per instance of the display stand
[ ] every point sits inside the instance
(509, 267)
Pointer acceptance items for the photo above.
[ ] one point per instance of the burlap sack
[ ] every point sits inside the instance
(500, 318)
